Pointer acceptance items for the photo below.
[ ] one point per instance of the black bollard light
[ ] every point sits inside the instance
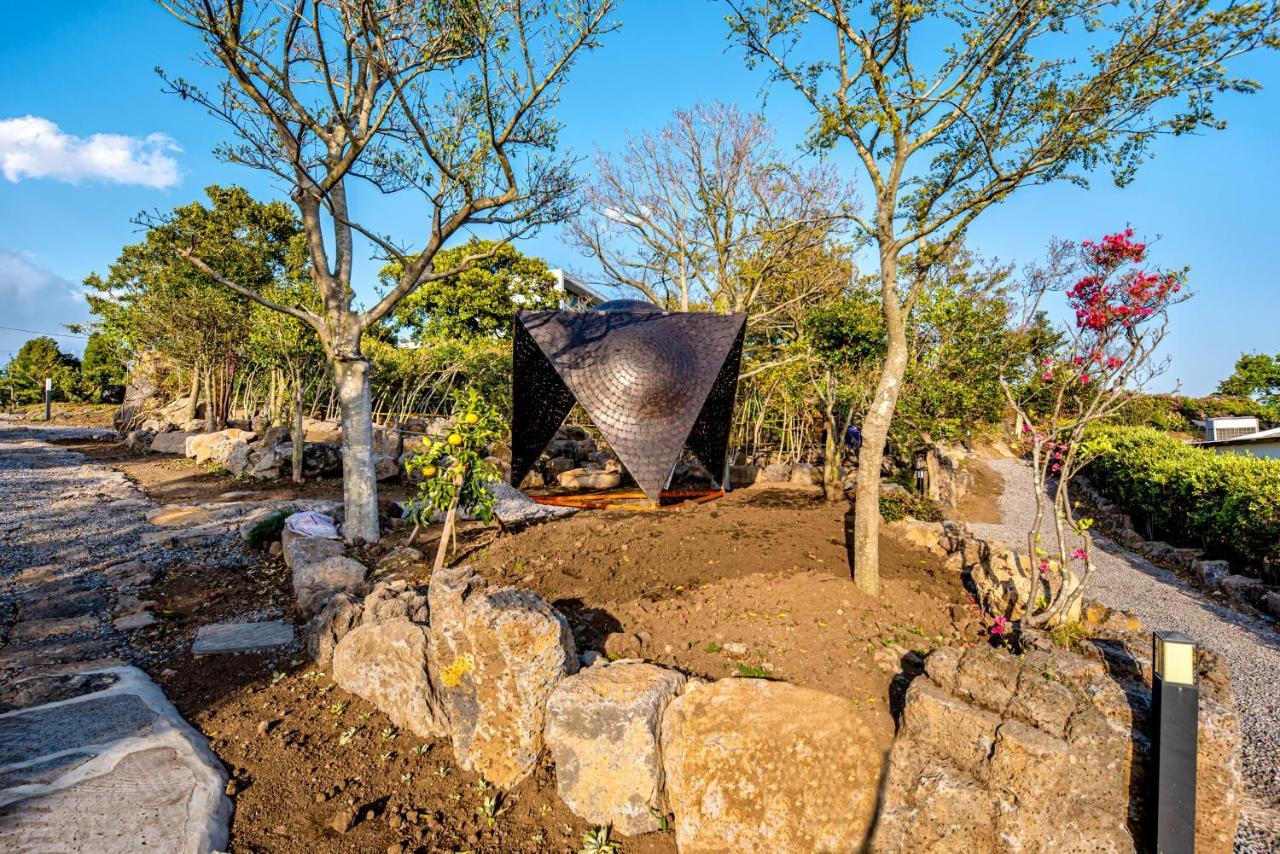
(1175, 706)
(48, 396)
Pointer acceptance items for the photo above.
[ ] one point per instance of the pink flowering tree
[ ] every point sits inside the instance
(1083, 375)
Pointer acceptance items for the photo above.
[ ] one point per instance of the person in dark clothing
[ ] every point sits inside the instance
(853, 439)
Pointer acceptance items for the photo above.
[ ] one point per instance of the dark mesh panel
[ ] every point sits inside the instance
(709, 439)
(642, 377)
(539, 403)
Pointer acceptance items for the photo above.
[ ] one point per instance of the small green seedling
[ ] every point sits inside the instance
(597, 842)
(491, 808)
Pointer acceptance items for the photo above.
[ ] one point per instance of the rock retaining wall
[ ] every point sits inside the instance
(994, 752)
(1047, 752)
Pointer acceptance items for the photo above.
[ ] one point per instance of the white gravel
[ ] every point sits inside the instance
(1164, 602)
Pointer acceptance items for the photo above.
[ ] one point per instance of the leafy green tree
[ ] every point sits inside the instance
(103, 367)
(1256, 375)
(448, 101)
(846, 339)
(40, 359)
(478, 301)
(948, 108)
(153, 300)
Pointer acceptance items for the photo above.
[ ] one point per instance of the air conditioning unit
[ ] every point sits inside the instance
(1217, 429)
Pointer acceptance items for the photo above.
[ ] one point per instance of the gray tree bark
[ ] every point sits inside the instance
(359, 482)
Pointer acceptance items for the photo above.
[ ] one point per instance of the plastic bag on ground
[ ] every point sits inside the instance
(309, 523)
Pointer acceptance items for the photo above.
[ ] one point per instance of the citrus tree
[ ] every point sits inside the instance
(456, 471)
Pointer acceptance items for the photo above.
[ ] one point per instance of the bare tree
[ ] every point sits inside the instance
(449, 99)
(950, 107)
(684, 215)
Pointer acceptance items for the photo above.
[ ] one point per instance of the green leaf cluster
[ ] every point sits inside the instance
(38, 359)
(1227, 504)
(456, 468)
(478, 302)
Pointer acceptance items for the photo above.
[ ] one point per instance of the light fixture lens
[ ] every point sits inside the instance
(1175, 655)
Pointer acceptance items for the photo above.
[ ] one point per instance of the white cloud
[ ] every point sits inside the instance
(34, 147)
(36, 299)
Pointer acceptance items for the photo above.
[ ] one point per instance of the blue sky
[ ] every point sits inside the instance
(89, 71)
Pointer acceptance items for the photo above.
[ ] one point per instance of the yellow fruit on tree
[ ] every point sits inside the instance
(471, 418)
(429, 471)
(455, 439)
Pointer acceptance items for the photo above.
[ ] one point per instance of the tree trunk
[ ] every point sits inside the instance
(359, 483)
(299, 437)
(209, 400)
(193, 399)
(832, 483)
(450, 520)
(875, 432)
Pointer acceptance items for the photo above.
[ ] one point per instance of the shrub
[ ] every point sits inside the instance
(267, 531)
(1228, 504)
(896, 506)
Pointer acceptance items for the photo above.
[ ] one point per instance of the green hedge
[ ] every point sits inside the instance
(1175, 413)
(1228, 504)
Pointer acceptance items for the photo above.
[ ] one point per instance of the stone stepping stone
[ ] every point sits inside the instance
(99, 760)
(241, 637)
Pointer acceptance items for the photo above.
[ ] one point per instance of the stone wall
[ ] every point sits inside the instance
(994, 752)
(1047, 752)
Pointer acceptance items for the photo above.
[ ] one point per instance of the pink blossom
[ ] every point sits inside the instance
(1000, 626)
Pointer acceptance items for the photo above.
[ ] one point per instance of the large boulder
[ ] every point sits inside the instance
(1045, 752)
(217, 447)
(602, 730)
(394, 600)
(170, 443)
(806, 474)
(314, 584)
(328, 432)
(239, 462)
(388, 441)
(335, 620)
(754, 765)
(583, 478)
(519, 648)
(775, 473)
(1003, 581)
(386, 664)
(452, 661)
(385, 467)
(299, 549)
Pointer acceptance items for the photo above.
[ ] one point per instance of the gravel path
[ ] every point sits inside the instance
(93, 757)
(1164, 602)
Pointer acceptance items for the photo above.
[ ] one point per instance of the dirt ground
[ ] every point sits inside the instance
(79, 414)
(754, 584)
(981, 504)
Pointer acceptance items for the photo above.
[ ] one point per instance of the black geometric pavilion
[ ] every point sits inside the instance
(653, 382)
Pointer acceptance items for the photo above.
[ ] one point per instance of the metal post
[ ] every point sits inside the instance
(1175, 706)
(48, 396)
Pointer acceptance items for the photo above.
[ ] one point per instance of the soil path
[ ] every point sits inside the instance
(1165, 602)
(93, 757)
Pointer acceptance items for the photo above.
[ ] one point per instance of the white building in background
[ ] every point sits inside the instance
(1219, 429)
(574, 294)
(1260, 443)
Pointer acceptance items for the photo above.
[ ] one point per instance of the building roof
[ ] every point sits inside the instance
(576, 289)
(1272, 435)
